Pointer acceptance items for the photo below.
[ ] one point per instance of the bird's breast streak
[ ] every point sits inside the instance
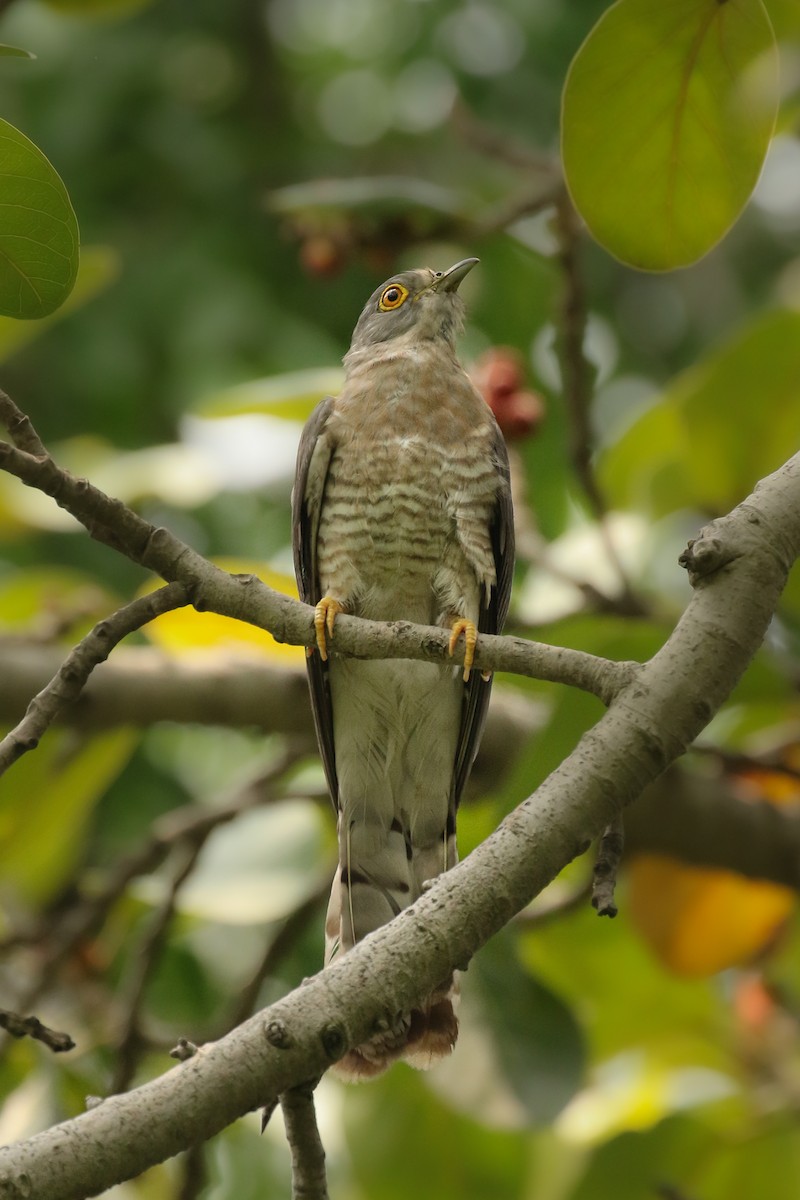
(391, 510)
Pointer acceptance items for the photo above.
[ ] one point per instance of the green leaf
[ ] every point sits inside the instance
(46, 800)
(537, 1042)
(99, 266)
(767, 1163)
(405, 1142)
(15, 52)
(181, 991)
(723, 425)
(785, 18)
(244, 1164)
(638, 1164)
(670, 1020)
(667, 114)
(39, 240)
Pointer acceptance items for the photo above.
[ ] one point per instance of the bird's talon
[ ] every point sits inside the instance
(325, 615)
(462, 625)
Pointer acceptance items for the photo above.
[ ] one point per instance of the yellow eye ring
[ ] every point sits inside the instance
(392, 297)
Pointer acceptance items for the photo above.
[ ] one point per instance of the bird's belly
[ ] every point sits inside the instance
(399, 565)
(389, 536)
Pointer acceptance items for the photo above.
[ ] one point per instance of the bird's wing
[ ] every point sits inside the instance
(313, 461)
(492, 618)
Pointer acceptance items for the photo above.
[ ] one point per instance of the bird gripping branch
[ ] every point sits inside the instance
(401, 511)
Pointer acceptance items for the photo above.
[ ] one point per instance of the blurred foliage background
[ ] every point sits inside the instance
(244, 174)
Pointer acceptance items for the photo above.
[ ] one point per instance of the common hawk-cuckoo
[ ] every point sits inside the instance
(401, 511)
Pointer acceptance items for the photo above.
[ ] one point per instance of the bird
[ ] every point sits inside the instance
(401, 510)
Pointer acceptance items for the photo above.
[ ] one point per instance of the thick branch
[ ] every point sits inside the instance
(646, 728)
(704, 822)
(697, 819)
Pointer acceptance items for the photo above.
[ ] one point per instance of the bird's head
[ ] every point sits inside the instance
(414, 306)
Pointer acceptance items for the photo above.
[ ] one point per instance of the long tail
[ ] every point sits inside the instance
(395, 737)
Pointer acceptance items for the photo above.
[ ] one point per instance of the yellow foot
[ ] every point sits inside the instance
(325, 615)
(470, 641)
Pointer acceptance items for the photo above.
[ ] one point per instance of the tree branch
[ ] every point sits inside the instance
(308, 1155)
(32, 1027)
(604, 876)
(184, 830)
(68, 682)
(143, 962)
(703, 821)
(577, 375)
(744, 559)
(246, 598)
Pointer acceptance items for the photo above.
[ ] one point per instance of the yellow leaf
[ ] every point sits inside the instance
(186, 631)
(700, 921)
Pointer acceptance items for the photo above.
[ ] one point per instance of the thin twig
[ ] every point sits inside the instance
(190, 824)
(545, 910)
(68, 682)
(189, 832)
(577, 372)
(280, 945)
(195, 1175)
(527, 204)
(19, 426)
(577, 380)
(532, 547)
(499, 146)
(604, 876)
(308, 1155)
(144, 958)
(32, 1027)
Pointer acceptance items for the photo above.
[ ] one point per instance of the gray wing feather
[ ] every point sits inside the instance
(313, 460)
(492, 619)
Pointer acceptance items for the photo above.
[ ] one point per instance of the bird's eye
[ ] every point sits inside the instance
(392, 297)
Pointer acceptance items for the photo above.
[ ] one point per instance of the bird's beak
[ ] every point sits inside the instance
(452, 277)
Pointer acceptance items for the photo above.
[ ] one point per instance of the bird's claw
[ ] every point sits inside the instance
(325, 614)
(462, 625)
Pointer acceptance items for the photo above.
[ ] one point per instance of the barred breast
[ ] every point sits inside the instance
(404, 524)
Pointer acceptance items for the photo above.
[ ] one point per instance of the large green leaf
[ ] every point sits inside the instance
(668, 110)
(641, 1163)
(684, 1156)
(405, 1142)
(537, 1042)
(46, 800)
(39, 241)
(718, 429)
(669, 1021)
(99, 266)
